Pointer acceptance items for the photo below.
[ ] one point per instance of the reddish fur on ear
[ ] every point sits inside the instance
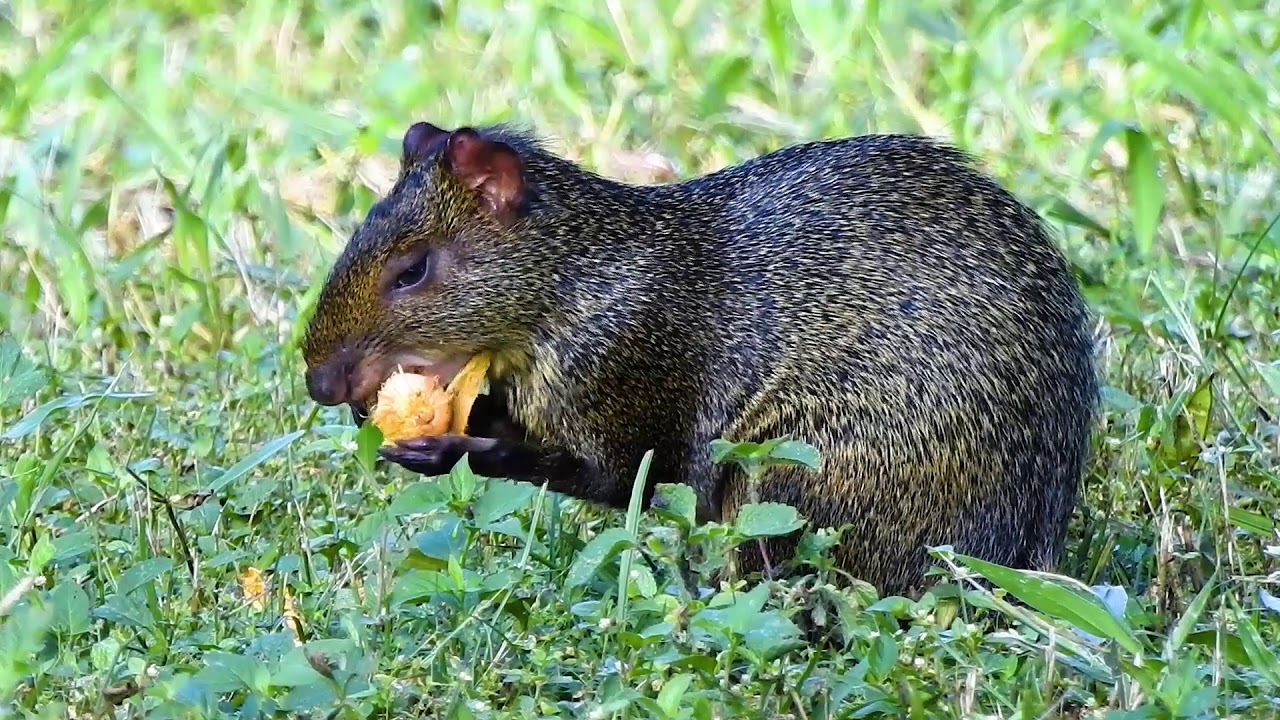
(493, 168)
(418, 141)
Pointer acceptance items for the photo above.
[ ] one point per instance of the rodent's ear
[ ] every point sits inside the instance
(491, 167)
(418, 140)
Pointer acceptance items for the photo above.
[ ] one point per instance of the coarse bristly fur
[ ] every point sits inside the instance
(877, 297)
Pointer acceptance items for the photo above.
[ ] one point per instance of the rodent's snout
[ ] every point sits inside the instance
(329, 384)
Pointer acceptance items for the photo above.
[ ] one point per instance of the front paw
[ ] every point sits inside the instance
(435, 455)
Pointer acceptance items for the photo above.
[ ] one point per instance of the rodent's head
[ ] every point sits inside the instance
(440, 269)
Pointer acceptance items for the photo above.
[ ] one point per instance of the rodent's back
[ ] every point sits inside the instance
(916, 323)
(873, 252)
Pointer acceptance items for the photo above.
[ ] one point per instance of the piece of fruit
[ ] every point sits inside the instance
(464, 388)
(411, 405)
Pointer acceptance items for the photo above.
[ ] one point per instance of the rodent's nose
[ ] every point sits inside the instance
(328, 384)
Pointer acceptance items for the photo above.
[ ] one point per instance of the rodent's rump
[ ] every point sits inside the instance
(877, 297)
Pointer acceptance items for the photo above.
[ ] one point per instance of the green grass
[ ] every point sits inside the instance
(175, 179)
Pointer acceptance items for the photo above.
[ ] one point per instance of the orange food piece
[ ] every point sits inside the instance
(412, 406)
(464, 389)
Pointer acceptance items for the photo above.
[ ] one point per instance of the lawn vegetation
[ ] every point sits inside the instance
(184, 534)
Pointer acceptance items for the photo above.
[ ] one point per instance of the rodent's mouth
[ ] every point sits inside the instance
(359, 412)
(369, 377)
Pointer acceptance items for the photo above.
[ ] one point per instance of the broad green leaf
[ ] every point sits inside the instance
(8, 492)
(217, 679)
(70, 607)
(104, 653)
(1212, 640)
(463, 481)
(417, 585)
(419, 498)
(294, 669)
(722, 78)
(444, 541)
(767, 633)
(644, 581)
(254, 459)
(226, 557)
(894, 605)
(72, 545)
(41, 554)
(316, 696)
(368, 439)
(143, 573)
(73, 288)
(1199, 407)
(883, 656)
(251, 672)
(672, 691)
(772, 634)
(767, 520)
(123, 610)
(492, 582)
(1119, 400)
(596, 553)
(1052, 596)
(25, 474)
(724, 450)
(797, 452)
(500, 499)
(734, 610)
(1191, 424)
(677, 500)
(1271, 374)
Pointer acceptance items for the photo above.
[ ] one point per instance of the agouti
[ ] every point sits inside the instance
(877, 297)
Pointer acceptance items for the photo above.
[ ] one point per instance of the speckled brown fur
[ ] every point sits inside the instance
(876, 297)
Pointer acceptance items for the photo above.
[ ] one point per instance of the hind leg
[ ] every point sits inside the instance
(888, 527)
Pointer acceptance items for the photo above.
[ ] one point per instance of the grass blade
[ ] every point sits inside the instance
(1057, 597)
(1146, 192)
(254, 459)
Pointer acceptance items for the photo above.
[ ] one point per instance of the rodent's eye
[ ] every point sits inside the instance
(414, 274)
